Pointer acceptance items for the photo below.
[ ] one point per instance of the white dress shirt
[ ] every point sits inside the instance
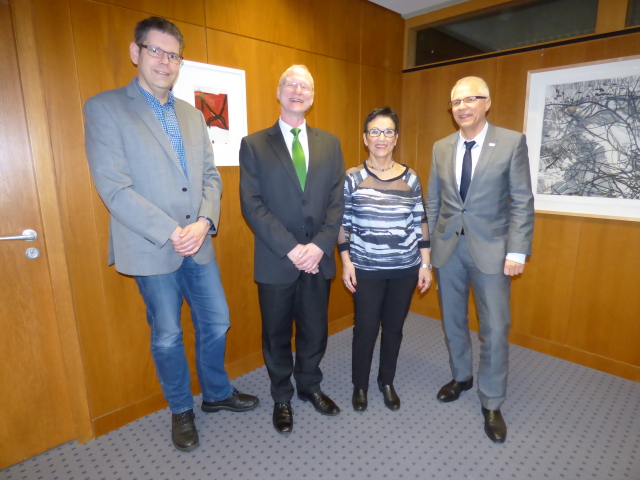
(475, 152)
(475, 156)
(302, 137)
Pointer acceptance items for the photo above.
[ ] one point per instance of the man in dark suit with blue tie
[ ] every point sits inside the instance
(480, 213)
(152, 163)
(291, 192)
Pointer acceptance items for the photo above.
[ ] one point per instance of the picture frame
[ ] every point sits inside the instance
(583, 136)
(220, 94)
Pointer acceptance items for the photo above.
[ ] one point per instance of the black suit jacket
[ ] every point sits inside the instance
(280, 214)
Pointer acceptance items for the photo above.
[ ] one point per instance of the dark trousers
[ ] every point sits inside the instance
(306, 302)
(379, 303)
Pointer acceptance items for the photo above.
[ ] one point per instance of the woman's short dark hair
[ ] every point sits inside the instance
(157, 23)
(382, 112)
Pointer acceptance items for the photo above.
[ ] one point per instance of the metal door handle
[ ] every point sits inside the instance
(28, 235)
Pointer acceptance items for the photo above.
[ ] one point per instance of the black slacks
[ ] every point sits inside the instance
(379, 303)
(306, 302)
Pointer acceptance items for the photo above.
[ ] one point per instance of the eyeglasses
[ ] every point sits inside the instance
(157, 52)
(294, 86)
(375, 132)
(466, 100)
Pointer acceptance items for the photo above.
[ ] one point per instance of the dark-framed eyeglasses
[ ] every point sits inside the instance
(157, 52)
(375, 132)
(466, 100)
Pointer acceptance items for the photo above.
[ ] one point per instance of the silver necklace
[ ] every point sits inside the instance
(381, 169)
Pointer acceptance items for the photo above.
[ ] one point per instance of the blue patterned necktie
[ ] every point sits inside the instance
(465, 178)
(299, 161)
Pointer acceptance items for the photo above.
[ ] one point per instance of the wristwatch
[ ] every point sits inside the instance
(426, 265)
(209, 221)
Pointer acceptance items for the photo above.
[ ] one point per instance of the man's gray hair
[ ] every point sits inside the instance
(293, 67)
(483, 88)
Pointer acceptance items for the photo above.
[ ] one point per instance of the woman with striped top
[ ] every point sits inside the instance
(384, 246)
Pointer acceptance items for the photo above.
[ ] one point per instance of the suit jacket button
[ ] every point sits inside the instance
(188, 217)
(184, 189)
(464, 210)
(304, 202)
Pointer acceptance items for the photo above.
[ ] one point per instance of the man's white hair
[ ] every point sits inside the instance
(293, 67)
(483, 88)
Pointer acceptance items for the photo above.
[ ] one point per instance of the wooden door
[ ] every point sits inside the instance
(35, 409)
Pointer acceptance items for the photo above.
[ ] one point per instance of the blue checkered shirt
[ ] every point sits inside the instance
(167, 117)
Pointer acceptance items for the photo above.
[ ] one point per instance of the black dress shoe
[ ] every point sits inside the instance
(494, 425)
(452, 390)
(320, 402)
(391, 398)
(237, 402)
(183, 431)
(359, 399)
(283, 418)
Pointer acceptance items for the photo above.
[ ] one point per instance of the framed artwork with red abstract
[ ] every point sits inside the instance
(220, 94)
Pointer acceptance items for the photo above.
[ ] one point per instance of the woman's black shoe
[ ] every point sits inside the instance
(359, 399)
(391, 399)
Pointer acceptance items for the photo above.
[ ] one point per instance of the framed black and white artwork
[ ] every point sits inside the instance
(583, 132)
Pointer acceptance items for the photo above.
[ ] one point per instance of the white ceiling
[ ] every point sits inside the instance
(411, 8)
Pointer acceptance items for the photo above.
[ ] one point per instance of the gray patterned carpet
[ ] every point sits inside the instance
(565, 422)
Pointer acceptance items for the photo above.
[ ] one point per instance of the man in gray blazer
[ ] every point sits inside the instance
(152, 164)
(291, 182)
(480, 212)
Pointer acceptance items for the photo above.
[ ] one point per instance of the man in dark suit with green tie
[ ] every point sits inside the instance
(291, 183)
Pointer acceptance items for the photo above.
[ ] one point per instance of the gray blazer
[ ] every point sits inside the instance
(140, 180)
(497, 215)
(280, 214)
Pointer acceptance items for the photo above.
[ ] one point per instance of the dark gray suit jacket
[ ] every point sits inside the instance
(497, 215)
(140, 180)
(280, 214)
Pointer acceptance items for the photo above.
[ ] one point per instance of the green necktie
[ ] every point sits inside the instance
(299, 161)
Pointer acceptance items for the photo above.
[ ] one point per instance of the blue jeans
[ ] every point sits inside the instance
(200, 285)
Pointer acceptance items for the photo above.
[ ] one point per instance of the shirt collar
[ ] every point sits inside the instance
(286, 128)
(479, 139)
(151, 98)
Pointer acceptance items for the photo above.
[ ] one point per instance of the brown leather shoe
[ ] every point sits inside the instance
(359, 399)
(237, 402)
(391, 399)
(322, 403)
(183, 431)
(283, 418)
(452, 390)
(494, 425)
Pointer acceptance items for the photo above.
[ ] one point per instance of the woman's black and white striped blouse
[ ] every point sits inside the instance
(384, 223)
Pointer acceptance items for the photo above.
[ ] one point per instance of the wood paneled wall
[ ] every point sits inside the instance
(353, 49)
(576, 298)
